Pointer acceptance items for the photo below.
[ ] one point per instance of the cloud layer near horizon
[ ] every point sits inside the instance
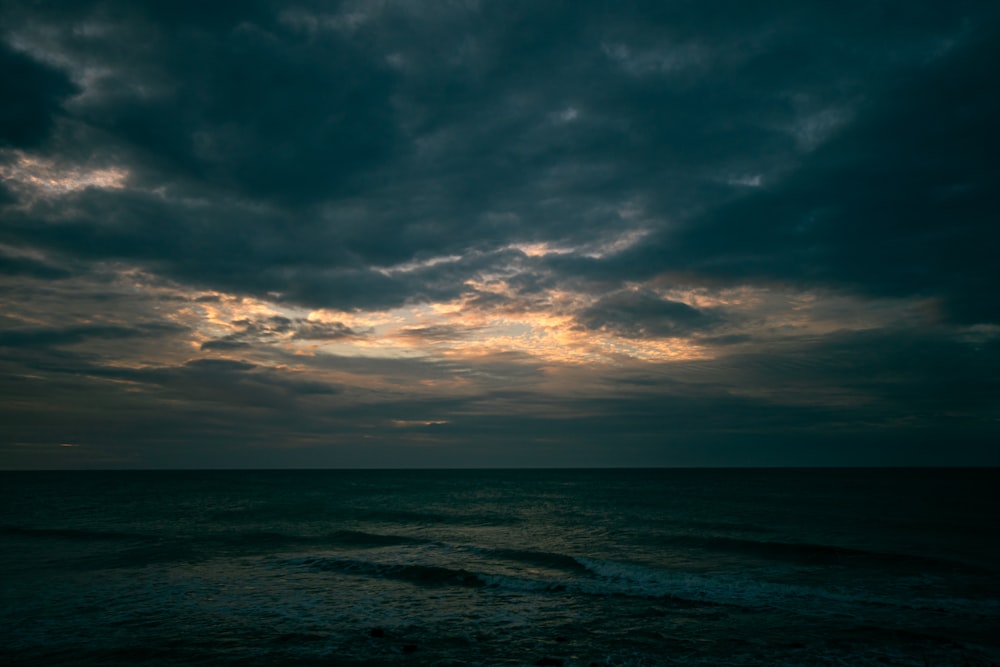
(498, 233)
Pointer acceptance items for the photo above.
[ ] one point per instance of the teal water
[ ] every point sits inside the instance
(586, 567)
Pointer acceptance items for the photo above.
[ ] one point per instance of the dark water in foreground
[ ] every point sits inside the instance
(663, 567)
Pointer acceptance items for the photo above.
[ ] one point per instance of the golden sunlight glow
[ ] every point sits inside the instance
(595, 250)
(409, 423)
(408, 267)
(546, 332)
(543, 332)
(618, 244)
(540, 249)
(48, 177)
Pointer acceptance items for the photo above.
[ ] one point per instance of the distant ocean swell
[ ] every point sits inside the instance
(583, 575)
(624, 568)
(807, 553)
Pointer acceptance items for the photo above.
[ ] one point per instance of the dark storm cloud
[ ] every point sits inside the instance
(46, 337)
(227, 365)
(27, 266)
(224, 98)
(902, 201)
(642, 314)
(33, 94)
(565, 115)
(266, 330)
(223, 344)
(214, 247)
(224, 381)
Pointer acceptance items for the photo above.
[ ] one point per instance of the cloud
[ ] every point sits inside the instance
(641, 314)
(324, 331)
(46, 337)
(498, 233)
(227, 365)
(33, 94)
(274, 328)
(441, 333)
(899, 204)
(224, 345)
(29, 266)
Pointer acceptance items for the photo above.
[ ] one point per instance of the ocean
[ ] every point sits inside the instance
(510, 567)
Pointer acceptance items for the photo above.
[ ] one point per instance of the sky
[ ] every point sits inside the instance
(515, 234)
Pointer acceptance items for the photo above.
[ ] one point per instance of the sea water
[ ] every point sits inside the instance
(514, 567)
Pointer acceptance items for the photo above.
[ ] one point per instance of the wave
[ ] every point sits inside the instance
(632, 580)
(204, 547)
(254, 538)
(338, 538)
(359, 538)
(68, 533)
(592, 577)
(529, 557)
(726, 526)
(129, 550)
(585, 576)
(438, 565)
(433, 575)
(596, 578)
(609, 578)
(409, 517)
(821, 554)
